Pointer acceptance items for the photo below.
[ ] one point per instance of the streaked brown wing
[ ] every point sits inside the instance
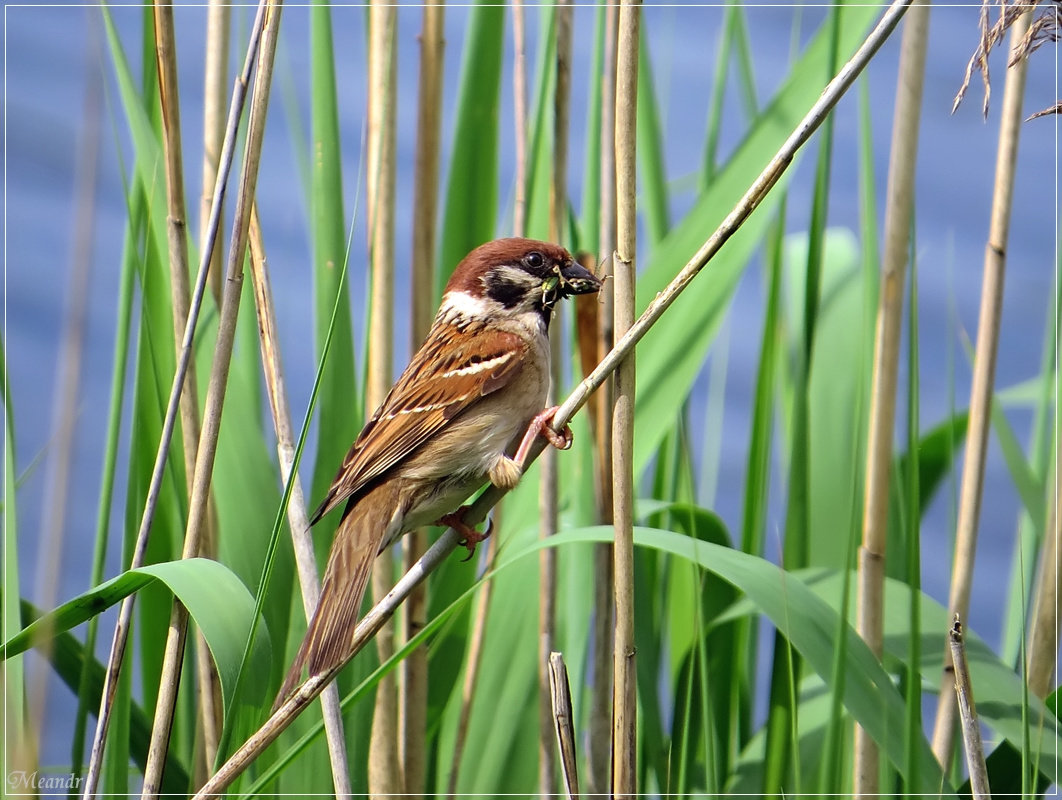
(451, 371)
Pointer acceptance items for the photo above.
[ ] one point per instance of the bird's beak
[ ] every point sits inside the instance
(576, 279)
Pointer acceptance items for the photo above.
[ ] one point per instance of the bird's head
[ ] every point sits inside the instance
(520, 275)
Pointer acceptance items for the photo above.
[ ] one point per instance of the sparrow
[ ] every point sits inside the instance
(465, 411)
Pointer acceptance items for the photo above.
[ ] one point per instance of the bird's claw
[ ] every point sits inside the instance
(471, 537)
(541, 426)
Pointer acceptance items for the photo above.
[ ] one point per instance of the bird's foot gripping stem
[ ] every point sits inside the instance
(540, 426)
(472, 537)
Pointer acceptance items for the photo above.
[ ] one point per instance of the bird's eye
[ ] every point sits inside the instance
(534, 259)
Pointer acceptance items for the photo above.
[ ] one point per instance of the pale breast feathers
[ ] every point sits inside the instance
(452, 370)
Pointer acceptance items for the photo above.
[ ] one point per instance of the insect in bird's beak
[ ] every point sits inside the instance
(571, 278)
(550, 286)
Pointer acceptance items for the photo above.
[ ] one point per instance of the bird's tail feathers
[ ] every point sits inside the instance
(330, 634)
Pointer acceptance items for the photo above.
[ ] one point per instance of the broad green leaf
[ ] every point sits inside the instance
(997, 687)
(835, 409)
(810, 624)
(216, 599)
(67, 657)
(816, 714)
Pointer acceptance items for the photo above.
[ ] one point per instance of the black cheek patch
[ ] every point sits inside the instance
(507, 293)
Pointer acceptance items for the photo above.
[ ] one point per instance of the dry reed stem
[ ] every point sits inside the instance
(176, 228)
(519, 119)
(385, 772)
(209, 696)
(971, 729)
(599, 751)
(125, 612)
(1044, 628)
(548, 483)
(624, 686)
(973, 471)
(175, 641)
(215, 82)
(65, 410)
(564, 722)
(899, 207)
(413, 671)
(579, 396)
(305, 560)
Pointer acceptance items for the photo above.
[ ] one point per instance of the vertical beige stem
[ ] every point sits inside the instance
(599, 751)
(520, 118)
(214, 95)
(973, 472)
(899, 206)
(305, 561)
(413, 675)
(1044, 629)
(215, 84)
(624, 695)
(209, 696)
(548, 488)
(385, 776)
(204, 465)
(166, 57)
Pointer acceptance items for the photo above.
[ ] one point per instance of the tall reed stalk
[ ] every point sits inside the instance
(898, 214)
(298, 520)
(215, 89)
(413, 687)
(624, 692)
(209, 695)
(971, 490)
(385, 773)
(599, 751)
(548, 487)
(519, 119)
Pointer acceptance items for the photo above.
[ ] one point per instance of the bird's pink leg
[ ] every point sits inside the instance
(540, 426)
(456, 520)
